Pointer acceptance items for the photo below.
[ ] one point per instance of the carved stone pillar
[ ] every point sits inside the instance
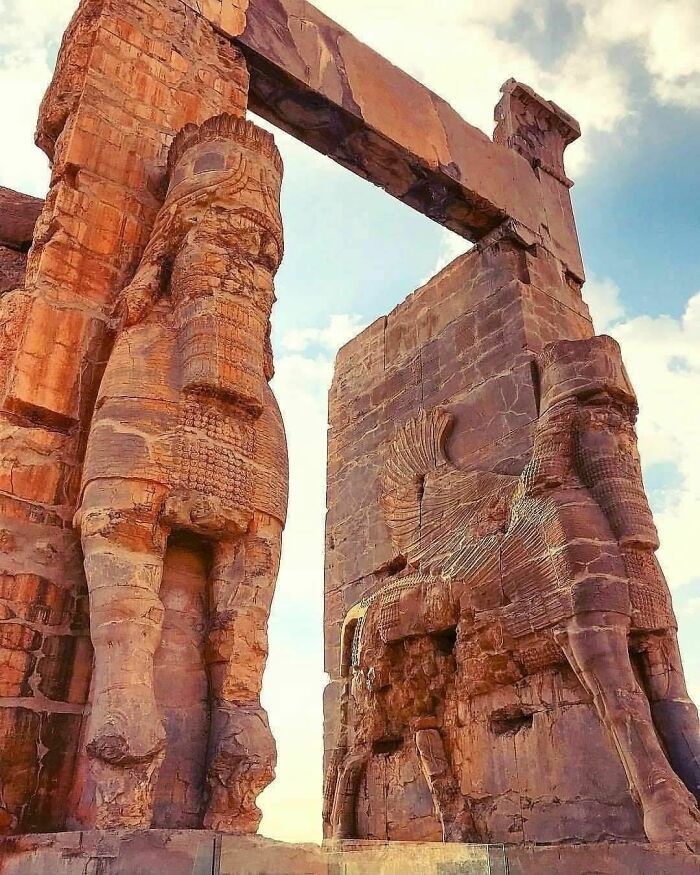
(130, 74)
(187, 440)
(540, 131)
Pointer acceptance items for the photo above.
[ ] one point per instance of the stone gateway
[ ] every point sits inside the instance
(506, 692)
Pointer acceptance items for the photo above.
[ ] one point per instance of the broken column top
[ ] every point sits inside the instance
(536, 128)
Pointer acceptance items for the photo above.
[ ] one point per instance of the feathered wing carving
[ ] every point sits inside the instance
(445, 521)
(417, 449)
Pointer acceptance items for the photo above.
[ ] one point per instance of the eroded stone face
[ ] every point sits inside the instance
(158, 66)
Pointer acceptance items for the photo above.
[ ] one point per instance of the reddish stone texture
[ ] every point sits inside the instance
(463, 342)
(312, 78)
(108, 141)
(192, 443)
(143, 468)
(18, 216)
(510, 578)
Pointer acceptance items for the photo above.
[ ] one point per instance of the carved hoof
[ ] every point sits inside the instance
(242, 824)
(460, 830)
(124, 794)
(673, 817)
(235, 782)
(121, 741)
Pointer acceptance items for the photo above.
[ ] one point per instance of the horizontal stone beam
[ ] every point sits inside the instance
(313, 79)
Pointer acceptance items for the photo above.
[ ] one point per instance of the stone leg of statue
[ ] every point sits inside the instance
(344, 819)
(242, 753)
(675, 715)
(450, 805)
(597, 646)
(124, 546)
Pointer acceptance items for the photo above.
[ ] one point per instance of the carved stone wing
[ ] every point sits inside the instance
(442, 519)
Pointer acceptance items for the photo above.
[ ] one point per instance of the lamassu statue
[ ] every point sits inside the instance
(508, 576)
(187, 436)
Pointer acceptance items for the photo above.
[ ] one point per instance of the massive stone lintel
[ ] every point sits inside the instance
(315, 80)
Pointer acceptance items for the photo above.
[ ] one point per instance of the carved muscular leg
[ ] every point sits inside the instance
(675, 716)
(124, 547)
(450, 804)
(344, 820)
(596, 644)
(242, 753)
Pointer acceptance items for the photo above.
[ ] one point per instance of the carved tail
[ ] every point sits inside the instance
(417, 449)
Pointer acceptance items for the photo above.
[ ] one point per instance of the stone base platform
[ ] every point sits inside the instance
(184, 852)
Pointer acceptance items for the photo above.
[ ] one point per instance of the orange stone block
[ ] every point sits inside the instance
(47, 371)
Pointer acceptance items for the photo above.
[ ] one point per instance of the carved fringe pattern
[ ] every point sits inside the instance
(539, 596)
(225, 127)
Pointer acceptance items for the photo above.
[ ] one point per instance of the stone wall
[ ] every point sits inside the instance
(18, 216)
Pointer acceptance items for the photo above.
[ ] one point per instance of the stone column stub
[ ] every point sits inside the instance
(540, 131)
(536, 128)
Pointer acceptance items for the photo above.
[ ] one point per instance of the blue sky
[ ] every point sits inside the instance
(630, 71)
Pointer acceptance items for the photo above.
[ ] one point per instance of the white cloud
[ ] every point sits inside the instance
(294, 679)
(26, 65)
(666, 33)
(603, 299)
(339, 330)
(451, 247)
(692, 608)
(475, 57)
(662, 355)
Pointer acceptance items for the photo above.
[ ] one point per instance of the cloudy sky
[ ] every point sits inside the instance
(629, 70)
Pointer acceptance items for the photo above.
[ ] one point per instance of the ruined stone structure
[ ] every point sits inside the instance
(492, 595)
(188, 449)
(155, 260)
(511, 581)
(499, 633)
